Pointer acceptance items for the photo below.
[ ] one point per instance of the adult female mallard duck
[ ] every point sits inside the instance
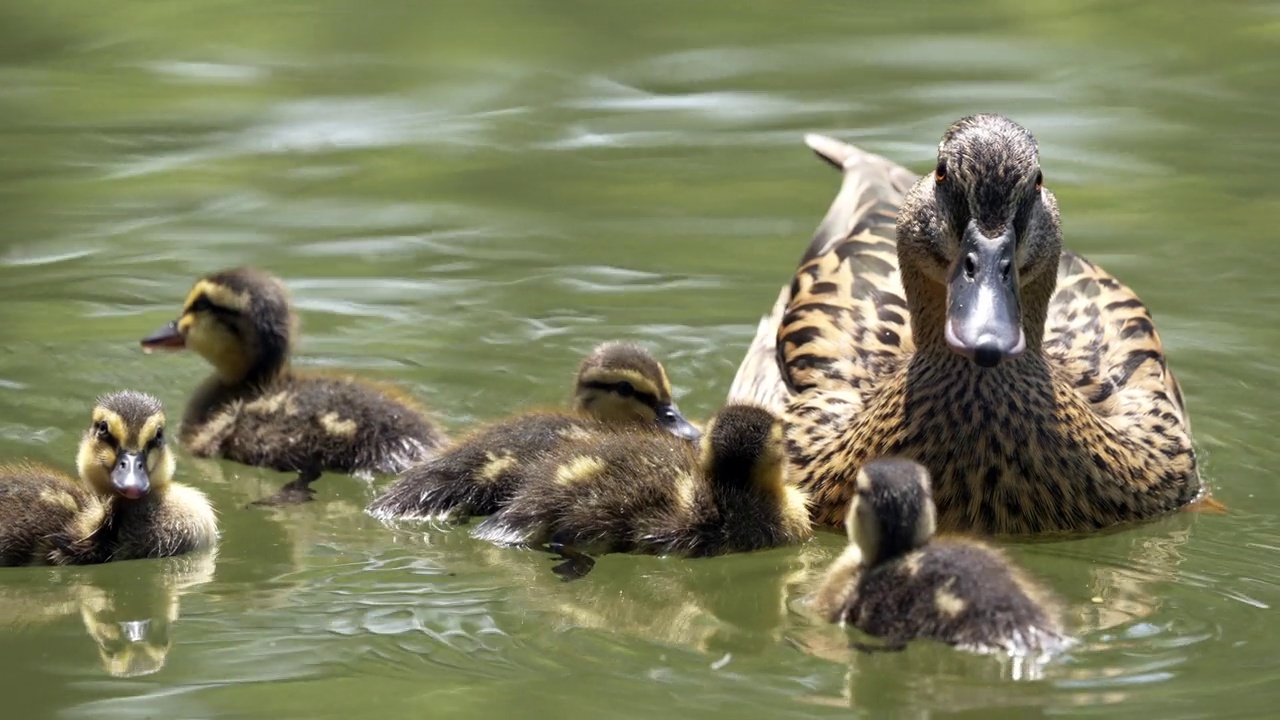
(124, 505)
(257, 410)
(620, 491)
(897, 582)
(618, 384)
(940, 319)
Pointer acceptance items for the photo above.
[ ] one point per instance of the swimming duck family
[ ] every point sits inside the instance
(935, 325)
(257, 410)
(940, 319)
(618, 383)
(123, 506)
(897, 582)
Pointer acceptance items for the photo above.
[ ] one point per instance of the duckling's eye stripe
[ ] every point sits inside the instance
(624, 389)
(204, 304)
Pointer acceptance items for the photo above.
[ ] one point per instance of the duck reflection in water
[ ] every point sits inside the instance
(128, 609)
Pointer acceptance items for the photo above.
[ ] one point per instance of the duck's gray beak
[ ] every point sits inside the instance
(130, 475)
(670, 418)
(984, 313)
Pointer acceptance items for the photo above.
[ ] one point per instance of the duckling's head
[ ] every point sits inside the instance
(744, 443)
(239, 320)
(983, 226)
(124, 450)
(621, 382)
(892, 511)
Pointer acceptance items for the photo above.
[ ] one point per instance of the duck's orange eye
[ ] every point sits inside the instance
(940, 173)
(1039, 179)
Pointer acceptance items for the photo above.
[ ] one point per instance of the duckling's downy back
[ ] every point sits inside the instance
(618, 491)
(744, 463)
(961, 593)
(617, 384)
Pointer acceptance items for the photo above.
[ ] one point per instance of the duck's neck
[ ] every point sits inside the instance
(261, 365)
(927, 303)
(262, 358)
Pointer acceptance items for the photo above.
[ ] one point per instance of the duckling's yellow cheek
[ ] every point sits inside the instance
(616, 409)
(94, 461)
(160, 465)
(216, 343)
(202, 334)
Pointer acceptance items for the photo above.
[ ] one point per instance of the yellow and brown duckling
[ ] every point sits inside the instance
(124, 506)
(896, 581)
(654, 493)
(256, 410)
(939, 318)
(618, 384)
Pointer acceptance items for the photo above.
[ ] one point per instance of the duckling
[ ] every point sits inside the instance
(36, 504)
(125, 505)
(939, 318)
(654, 493)
(618, 383)
(256, 410)
(898, 582)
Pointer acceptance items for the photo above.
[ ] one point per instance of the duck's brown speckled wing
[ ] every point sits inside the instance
(847, 280)
(1101, 337)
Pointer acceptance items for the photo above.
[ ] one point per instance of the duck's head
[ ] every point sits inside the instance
(744, 443)
(983, 226)
(621, 382)
(892, 511)
(124, 451)
(239, 320)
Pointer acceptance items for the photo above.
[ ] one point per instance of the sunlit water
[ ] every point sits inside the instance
(464, 198)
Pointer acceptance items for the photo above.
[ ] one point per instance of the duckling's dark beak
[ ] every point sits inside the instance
(166, 338)
(130, 475)
(984, 313)
(670, 418)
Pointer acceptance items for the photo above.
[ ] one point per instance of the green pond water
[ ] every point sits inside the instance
(466, 197)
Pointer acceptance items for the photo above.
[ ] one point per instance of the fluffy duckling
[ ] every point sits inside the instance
(256, 410)
(618, 384)
(654, 493)
(896, 581)
(124, 506)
